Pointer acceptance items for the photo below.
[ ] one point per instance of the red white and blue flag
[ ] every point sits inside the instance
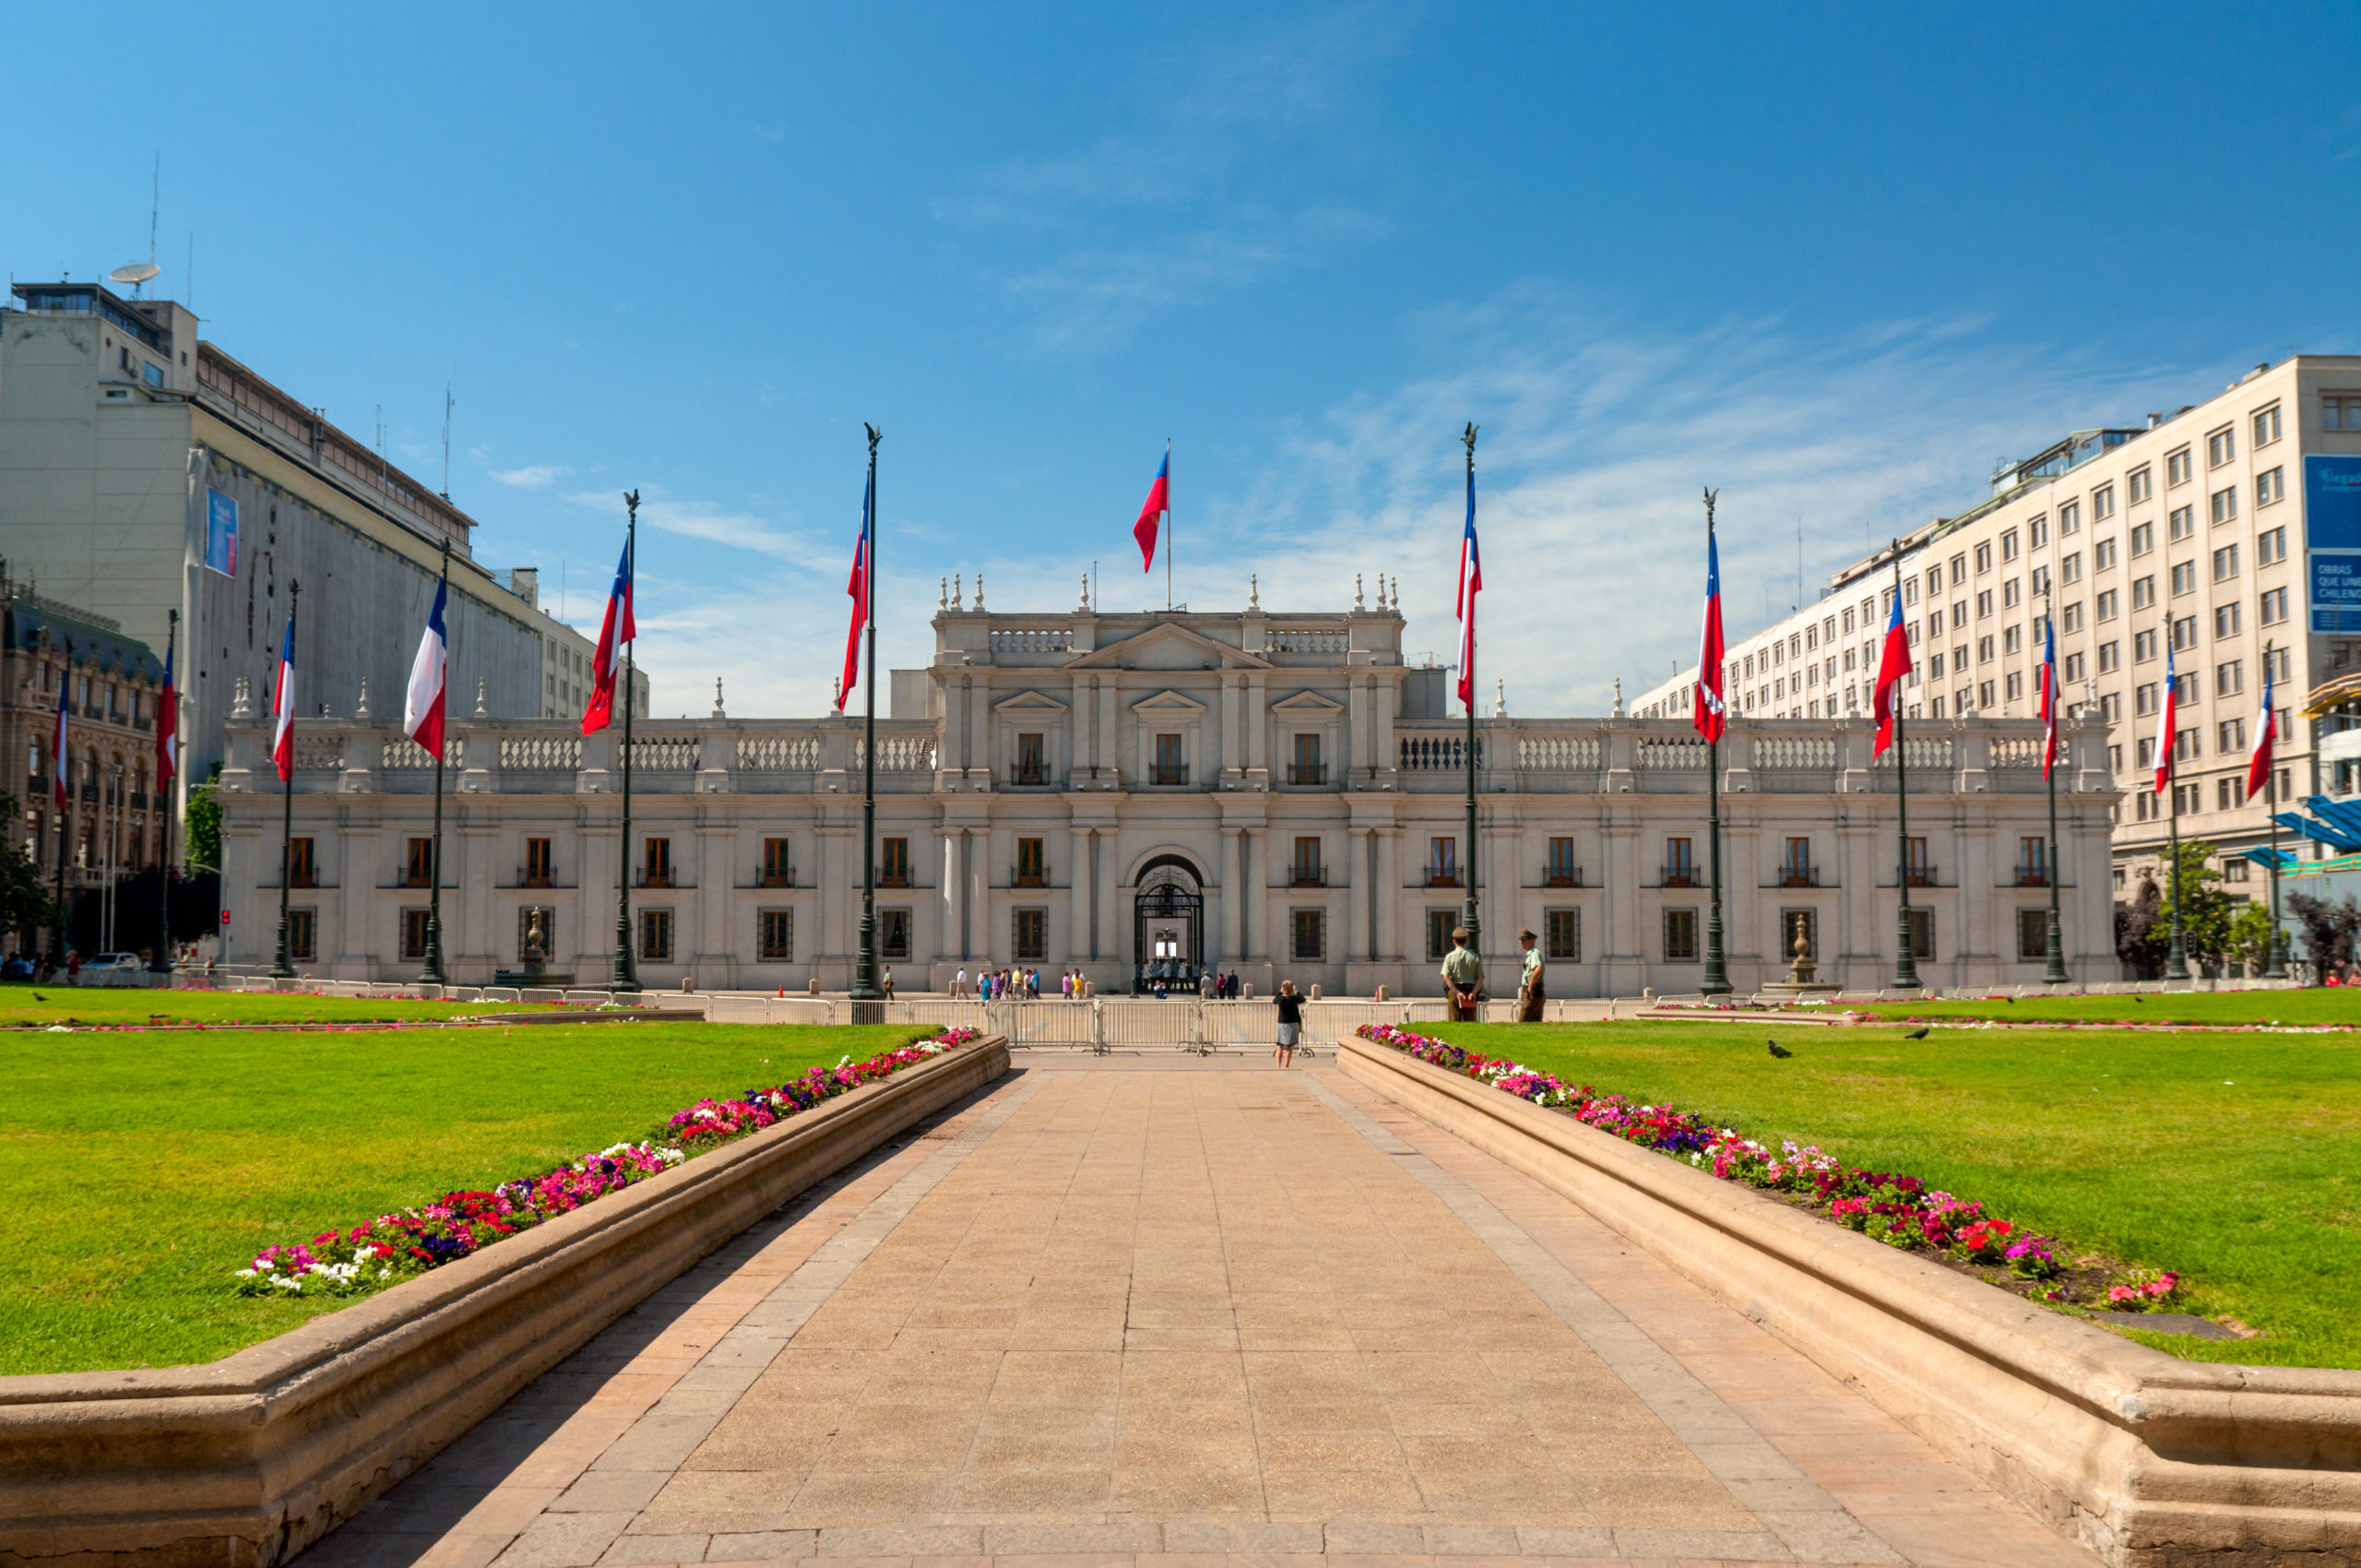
(1893, 665)
(429, 675)
(57, 744)
(864, 569)
(2047, 676)
(1708, 715)
(2259, 762)
(2164, 718)
(168, 723)
(1471, 582)
(607, 663)
(1156, 509)
(282, 742)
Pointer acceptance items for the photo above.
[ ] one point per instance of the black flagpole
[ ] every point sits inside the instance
(279, 965)
(64, 813)
(1905, 959)
(1473, 922)
(2055, 958)
(1717, 982)
(623, 979)
(868, 996)
(434, 975)
(2276, 967)
(2177, 956)
(161, 962)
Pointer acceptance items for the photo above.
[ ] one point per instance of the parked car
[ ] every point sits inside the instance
(115, 968)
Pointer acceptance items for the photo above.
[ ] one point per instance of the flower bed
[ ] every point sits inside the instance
(1901, 1211)
(393, 1247)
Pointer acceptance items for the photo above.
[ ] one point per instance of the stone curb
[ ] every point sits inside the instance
(241, 1463)
(2151, 1461)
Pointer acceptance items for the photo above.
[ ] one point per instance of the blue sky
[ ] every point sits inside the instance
(1835, 260)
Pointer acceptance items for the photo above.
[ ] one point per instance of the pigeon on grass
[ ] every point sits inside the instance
(1778, 1051)
(1918, 1033)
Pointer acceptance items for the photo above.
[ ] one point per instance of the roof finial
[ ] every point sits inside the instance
(717, 713)
(1084, 602)
(956, 591)
(942, 593)
(1253, 593)
(980, 592)
(1499, 699)
(362, 710)
(484, 709)
(1619, 696)
(1357, 606)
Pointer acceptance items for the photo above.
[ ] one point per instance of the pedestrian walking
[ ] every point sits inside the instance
(1290, 1024)
(1529, 994)
(889, 982)
(1463, 977)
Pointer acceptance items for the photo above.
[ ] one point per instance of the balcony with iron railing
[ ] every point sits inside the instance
(1794, 873)
(1301, 874)
(2031, 876)
(1166, 777)
(1031, 775)
(1029, 876)
(1560, 874)
(1441, 875)
(1307, 775)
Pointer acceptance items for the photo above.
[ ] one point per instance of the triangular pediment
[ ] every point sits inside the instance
(1168, 645)
(1307, 705)
(1030, 704)
(1169, 703)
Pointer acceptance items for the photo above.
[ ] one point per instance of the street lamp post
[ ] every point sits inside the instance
(868, 995)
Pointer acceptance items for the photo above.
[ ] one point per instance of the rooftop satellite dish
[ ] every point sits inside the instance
(134, 273)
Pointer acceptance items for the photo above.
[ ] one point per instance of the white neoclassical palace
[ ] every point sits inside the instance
(1279, 796)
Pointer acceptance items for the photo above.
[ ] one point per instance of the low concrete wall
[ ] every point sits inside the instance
(243, 1462)
(2152, 1461)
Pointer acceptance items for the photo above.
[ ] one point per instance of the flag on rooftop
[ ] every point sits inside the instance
(1153, 512)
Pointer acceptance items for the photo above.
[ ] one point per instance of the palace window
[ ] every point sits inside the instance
(893, 862)
(1032, 867)
(1305, 870)
(420, 872)
(301, 872)
(778, 869)
(536, 863)
(775, 933)
(1169, 766)
(414, 933)
(1443, 863)
(892, 933)
(657, 864)
(1031, 938)
(302, 927)
(656, 935)
(1680, 937)
(1440, 925)
(2032, 934)
(1561, 935)
(1679, 864)
(1308, 931)
(1306, 767)
(1032, 760)
(1562, 872)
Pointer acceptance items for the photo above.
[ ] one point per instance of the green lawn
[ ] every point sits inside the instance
(2233, 1158)
(142, 1169)
(21, 1004)
(2322, 1005)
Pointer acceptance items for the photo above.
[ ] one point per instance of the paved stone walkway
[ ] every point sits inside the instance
(1122, 1313)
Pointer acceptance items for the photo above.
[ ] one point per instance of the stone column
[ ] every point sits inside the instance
(472, 959)
(715, 962)
(1357, 730)
(1233, 757)
(1359, 907)
(1110, 736)
(948, 892)
(1079, 934)
(1253, 924)
(1109, 915)
(982, 912)
(1389, 893)
(1232, 927)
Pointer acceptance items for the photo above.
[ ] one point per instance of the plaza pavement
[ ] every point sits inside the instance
(1164, 1311)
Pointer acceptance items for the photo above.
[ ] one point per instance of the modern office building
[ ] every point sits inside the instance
(2224, 535)
(144, 469)
(1148, 795)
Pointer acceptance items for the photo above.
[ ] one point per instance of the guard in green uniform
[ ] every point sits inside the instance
(1463, 977)
(1529, 997)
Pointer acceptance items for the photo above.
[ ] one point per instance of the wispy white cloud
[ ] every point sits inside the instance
(533, 476)
(715, 524)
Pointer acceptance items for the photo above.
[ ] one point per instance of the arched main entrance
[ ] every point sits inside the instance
(1168, 925)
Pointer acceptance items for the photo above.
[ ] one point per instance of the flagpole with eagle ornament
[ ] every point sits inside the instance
(2265, 763)
(425, 714)
(283, 750)
(1709, 716)
(168, 716)
(627, 621)
(2055, 973)
(1893, 664)
(2177, 959)
(60, 749)
(868, 996)
(1471, 580)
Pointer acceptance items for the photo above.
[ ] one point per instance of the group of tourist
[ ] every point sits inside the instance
(1008, 985)
(1211, 987)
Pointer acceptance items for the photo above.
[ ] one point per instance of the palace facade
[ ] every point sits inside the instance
(1130, 795)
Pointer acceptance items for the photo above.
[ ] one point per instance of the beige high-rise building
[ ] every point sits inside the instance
(143, 469)
(2221, 537)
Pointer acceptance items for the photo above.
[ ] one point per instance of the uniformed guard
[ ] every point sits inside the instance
(1463, 977)
(1529, 997)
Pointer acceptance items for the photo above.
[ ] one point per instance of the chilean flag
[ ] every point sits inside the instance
(2165, 717)
(1152, 514)
(1893, 665)
(168, 723)
(864, 565)
(1471, 582)
(422, 712)
(617, 629)
(57, 747)
(282, 744)
(2258, 764)
(2047, 676)
(1708, 715)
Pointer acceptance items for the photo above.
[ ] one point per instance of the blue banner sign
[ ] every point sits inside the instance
(2333, 540)
(220, 533)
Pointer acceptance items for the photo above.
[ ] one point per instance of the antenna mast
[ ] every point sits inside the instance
(446, 440)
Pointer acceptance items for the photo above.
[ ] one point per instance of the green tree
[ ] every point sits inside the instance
(2250, 933)
(204, 824)
(24, 903)
(2205, 908)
